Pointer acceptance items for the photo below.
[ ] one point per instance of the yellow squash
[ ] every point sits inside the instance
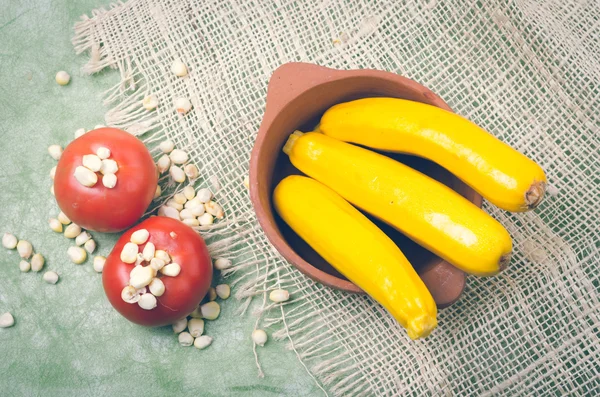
(502, 175)
(424, 209)
(358, 249)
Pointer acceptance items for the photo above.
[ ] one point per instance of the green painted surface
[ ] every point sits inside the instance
(67, 340)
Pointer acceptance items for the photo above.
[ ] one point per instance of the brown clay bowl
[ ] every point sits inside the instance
(298, 95)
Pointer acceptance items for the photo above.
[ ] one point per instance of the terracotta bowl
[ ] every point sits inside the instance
(298, 95)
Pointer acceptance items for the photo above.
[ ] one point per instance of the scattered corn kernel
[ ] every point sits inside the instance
(9, 241)
(148, 252)
(198, 210)
(82, 238)
(259, 337)
(196, 313)
(191, 171)
(157, 192)
(130, 294)
(140, 236)
(171, 270)
(62, 218)
(73, 230)
(223, 291)
(180, 198)
(99, 262)
(6, 320)
(193, 203)
(206, 219)
(185, 339)
(157, 264)
(139, 259)
(24, 249)
(211, 294)
(92, 162)
(166, 146)
(109, 181)
(183, 105)
(279, 295)
(214, 209)
(50, 277)
(178, 68)
(195, 327)
(204, 195)
(178, 156)
(141, 276)
(24, 266)
(174, 204)
(168, 212)
(179, 325)
(162, 255)
(163, 163)
(103, 153)
(222, 263)
(186, 213)
(79, 132)
(202, 342)
(55, 151)
(129, 253)
(147, 302)
(192, 222)
(189, 192)
(62, 77)
(77, 255)
(90, 246)
(52, 190)
(210, 310)
(55, 225)
(53, 172)
(37, 262)
(247, 182)
(173, 235)
(109, 166)
(177, 174)
(99, 126)
(156, 287)
(150, 102)
(85, 176)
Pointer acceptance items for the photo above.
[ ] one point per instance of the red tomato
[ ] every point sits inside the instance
(183, 292)
(99, 208)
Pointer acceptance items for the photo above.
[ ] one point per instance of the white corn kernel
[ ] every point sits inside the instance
(185, 339)
(193, 203)
(90, 246)
(202, 342)
(9, 241)
(195, 327)
(103, 153)
(166, 146)
(222, 263)
(247, 182)
(157, 264)
(179, 325)
(174, 204)
(62, 218)
(24, 266)
(173, 235)
(37, 262)
(177, 174)
(140, 236)
(210, 310)
(157, 192)
(196, 313)
(50, 277)
(163, 163)
(214, 209)
(183, 105)
(198, 210)
(178, 156)
(147, 302)
(192, 222)
(223, 291)
(279, 295)
(259, 337)
(141, 276)
(77, 255)
(206, 219)
(139, 259)
(99, 262)
(79, 132)
(82, 238)
(109, 181)
(130, 294)
(211, 294)
(72, 230)
(129, 253)
(109, 166)
(7, 320)
(162, 255)
(178, 68)
(85, 176)
(156, 287)
(150, 102)
(189, 192)
(24, 249)
(171, 270)
(180, 198)
(99, 126)
(186, 214)
(52, 190)
(55, 151)
(92, 162)
(62, 77)
(53, 172)
(55, 225)
(191, 171)
(169, 212)
(204, 195)
(148, 252)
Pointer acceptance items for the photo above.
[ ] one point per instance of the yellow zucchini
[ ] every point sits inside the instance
(502, 175)
(424, 209)
(358, 249)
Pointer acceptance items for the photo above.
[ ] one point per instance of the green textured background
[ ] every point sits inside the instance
(67, 340)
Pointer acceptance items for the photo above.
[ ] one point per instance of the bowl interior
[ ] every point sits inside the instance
(303, 113)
